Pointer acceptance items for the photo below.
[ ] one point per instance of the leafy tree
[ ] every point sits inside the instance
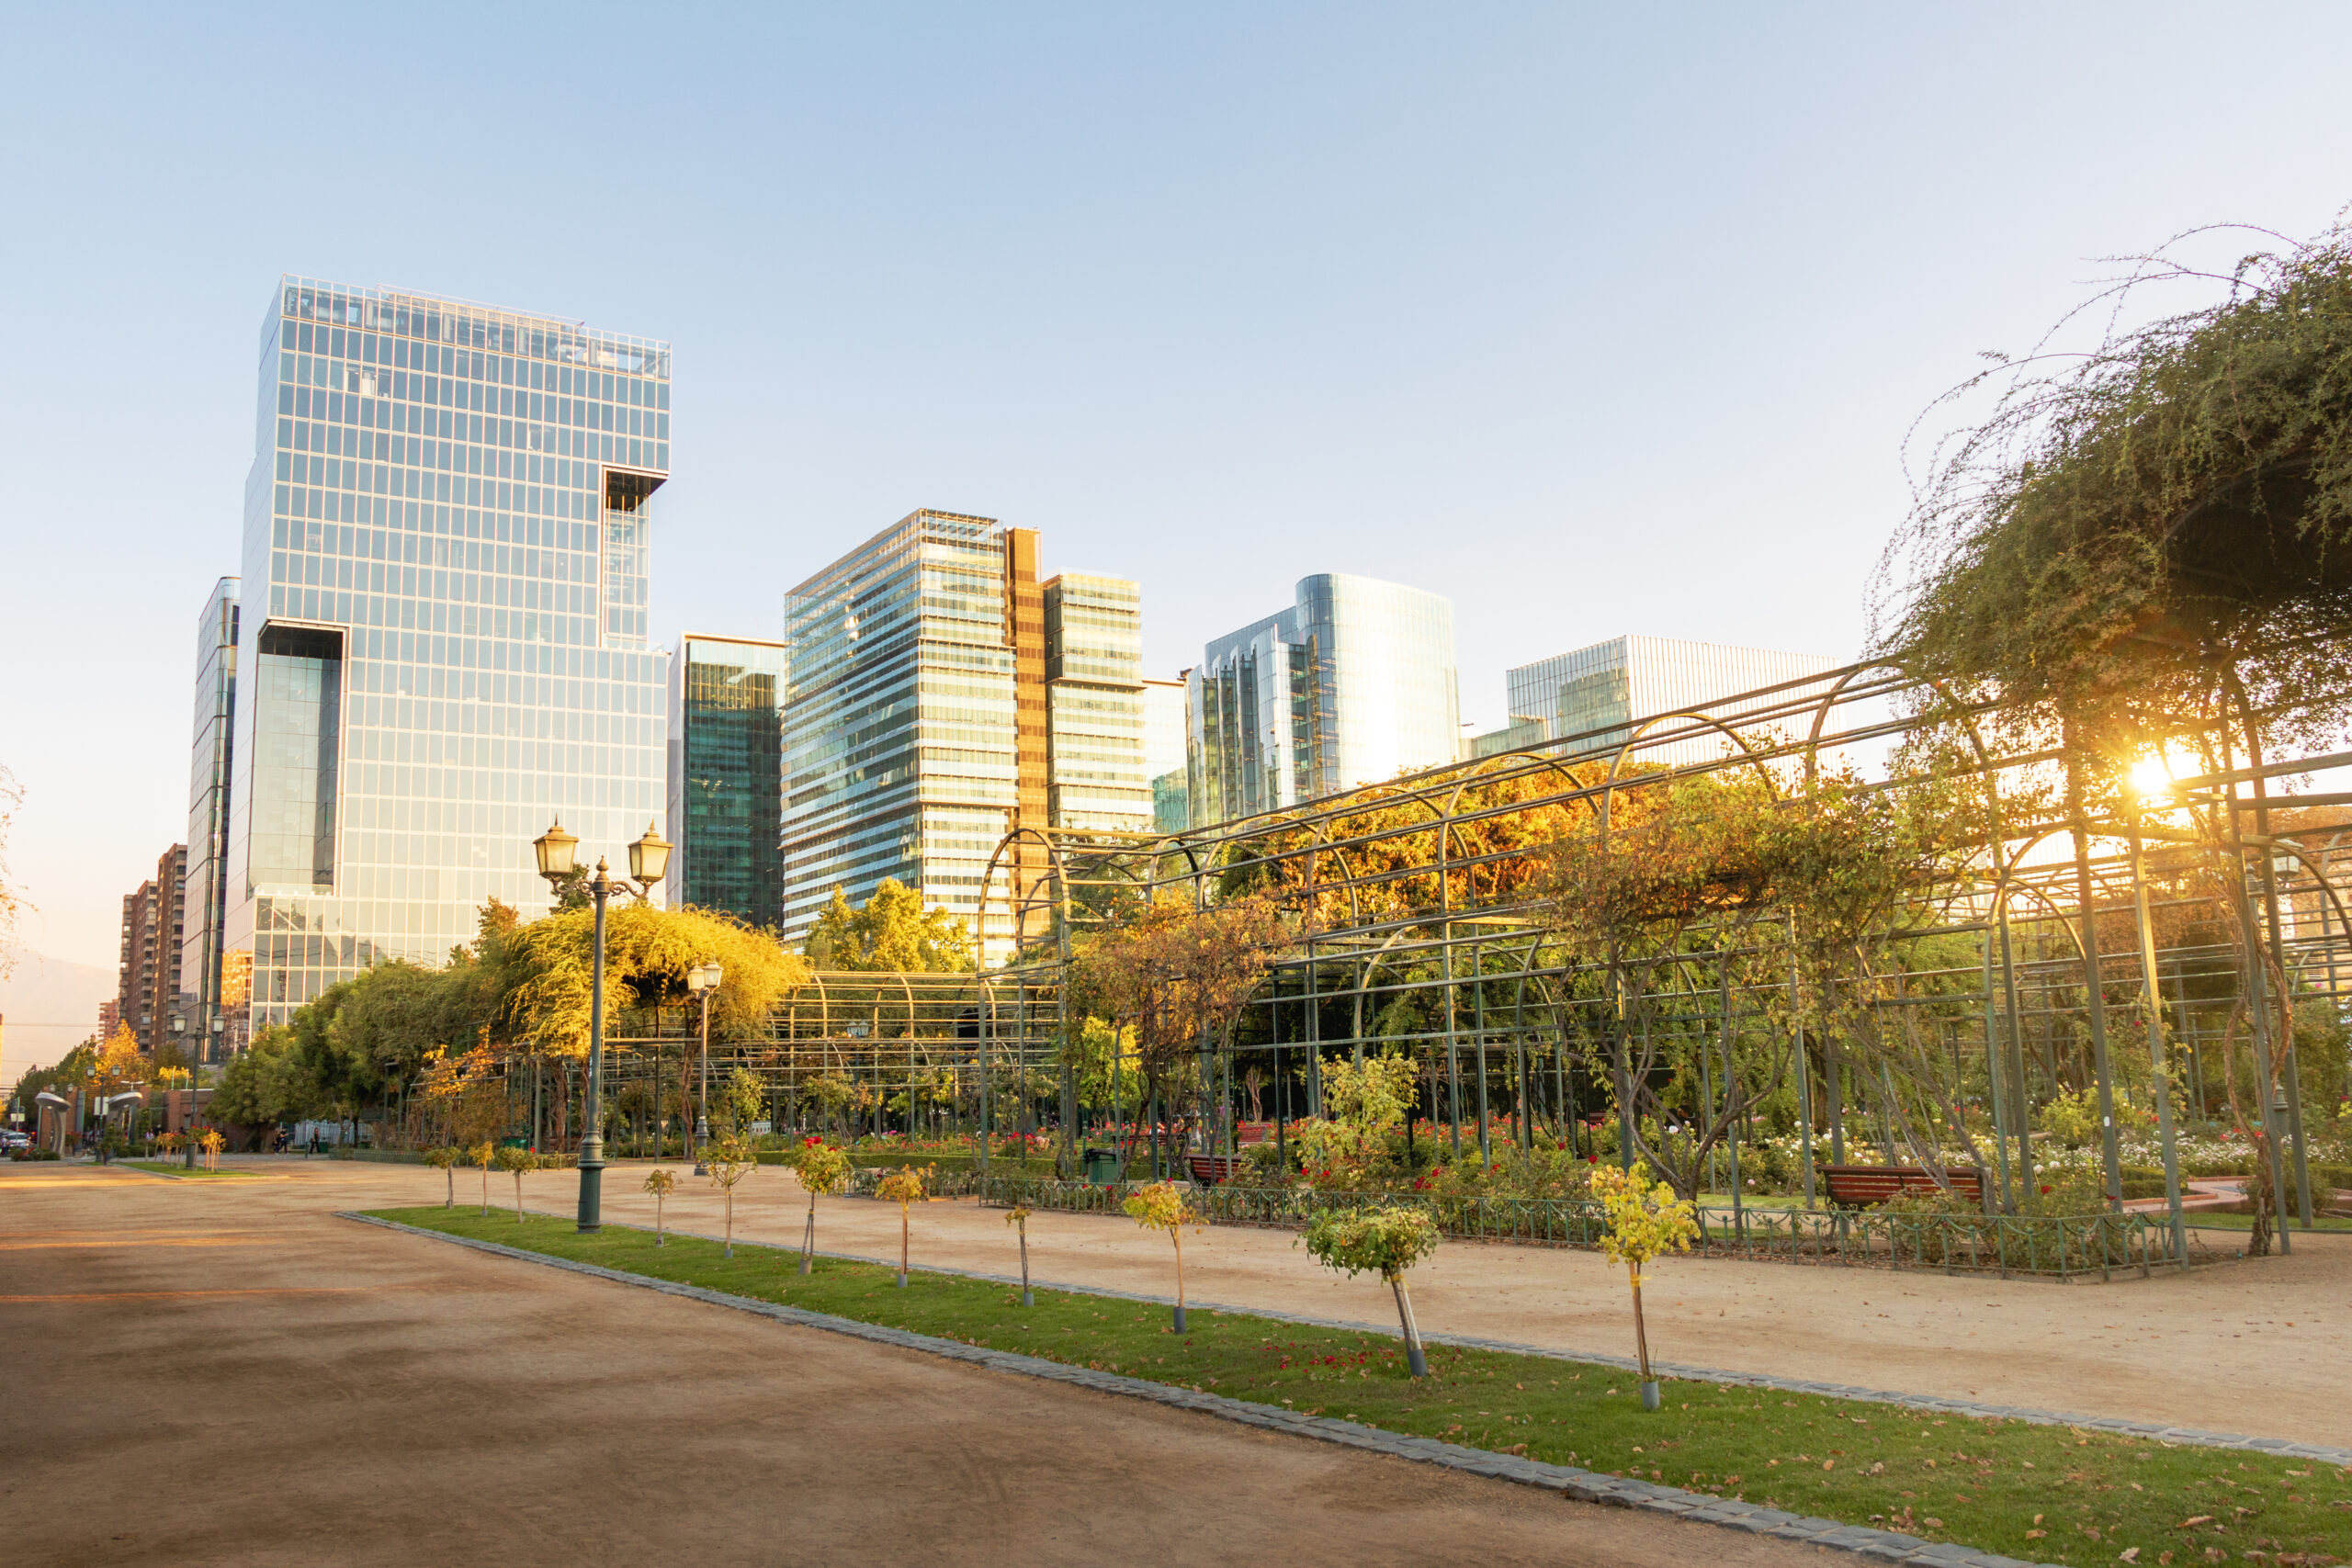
(544, 973)
(1178, 977)
(661, 1184)
(823, 1169)
(1390, 1239)
(892, 931)
(444, 1157)
(1645, 1221)
(746, 1096)
(1160, 1207)
(727, 1161)
(520, 1162)
(903, 1187)
(267, 1083)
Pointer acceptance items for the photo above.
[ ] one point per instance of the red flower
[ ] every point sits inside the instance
(2046, 1188)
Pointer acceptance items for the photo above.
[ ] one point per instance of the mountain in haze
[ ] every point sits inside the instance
(47, 1006)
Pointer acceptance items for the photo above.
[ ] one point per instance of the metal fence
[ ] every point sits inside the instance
(2060, 1247)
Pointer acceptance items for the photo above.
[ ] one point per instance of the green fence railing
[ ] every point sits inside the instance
(2058, 1246)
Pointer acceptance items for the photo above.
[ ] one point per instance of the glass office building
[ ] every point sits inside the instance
(899, 745)
(1594, 695)
(726, 767)
(442, 641)
(205, 909)
(1095, 704)
(1163, 754)
(1352, 684)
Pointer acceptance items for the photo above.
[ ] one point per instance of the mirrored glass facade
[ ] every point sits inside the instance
(205, 907)
(1095, 697)
(1352, 684)
(1596, 695)
(900, 752)
(726, 767)
(442, 629)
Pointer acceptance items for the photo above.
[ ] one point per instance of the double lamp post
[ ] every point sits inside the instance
(649, 857)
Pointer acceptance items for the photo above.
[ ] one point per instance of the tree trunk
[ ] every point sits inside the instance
(1641, 1331)
(1413, 1355)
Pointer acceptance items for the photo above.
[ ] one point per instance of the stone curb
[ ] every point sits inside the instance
(1585, 1486)
(2188, 1437)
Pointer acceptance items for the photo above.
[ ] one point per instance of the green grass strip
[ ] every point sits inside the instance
(2048, 1494)
(165, 1167)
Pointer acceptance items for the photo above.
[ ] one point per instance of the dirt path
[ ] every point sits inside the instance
(223, 1372)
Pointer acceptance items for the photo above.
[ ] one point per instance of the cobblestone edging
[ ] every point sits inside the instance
(1584, 1485)
(2189, 1437)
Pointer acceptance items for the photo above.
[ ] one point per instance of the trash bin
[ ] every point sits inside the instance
(1101, 1167)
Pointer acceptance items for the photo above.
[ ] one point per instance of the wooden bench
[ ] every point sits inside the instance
(1210, 1169)
(1859, 1186)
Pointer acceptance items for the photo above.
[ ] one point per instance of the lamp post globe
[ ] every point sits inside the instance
(649, 857)
(555, 849)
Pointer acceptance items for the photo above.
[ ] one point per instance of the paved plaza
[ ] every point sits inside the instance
(224, 1372)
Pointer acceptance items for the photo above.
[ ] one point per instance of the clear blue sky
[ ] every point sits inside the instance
(1598, 320)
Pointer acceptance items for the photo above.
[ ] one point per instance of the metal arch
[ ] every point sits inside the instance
(1609, 786)
(1828, 701)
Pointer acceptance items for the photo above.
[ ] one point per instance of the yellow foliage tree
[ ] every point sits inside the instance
(484, 1154)
(727, 1162)
(1645, 1221)
(823, 1169)
(903, 1187)
(1160, 1207)
(660, 1183)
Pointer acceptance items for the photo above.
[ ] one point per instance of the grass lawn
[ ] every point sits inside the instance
(2207, 1220)
(2044, 1492)
(173, 1167)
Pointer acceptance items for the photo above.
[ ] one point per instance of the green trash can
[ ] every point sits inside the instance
(1101, 1167)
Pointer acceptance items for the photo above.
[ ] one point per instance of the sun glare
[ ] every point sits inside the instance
(2151, 777)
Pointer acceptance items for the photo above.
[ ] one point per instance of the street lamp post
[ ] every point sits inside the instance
(649, 857)
(702, 980)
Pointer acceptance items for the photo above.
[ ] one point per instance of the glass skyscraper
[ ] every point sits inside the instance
(941, 696)
(1352, 684)
(205, 892)
(442, 643)
(901, 753)
(1095, 704)
(1597, 693)
(726, 766)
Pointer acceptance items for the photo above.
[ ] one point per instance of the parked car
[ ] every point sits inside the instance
(9, 1140)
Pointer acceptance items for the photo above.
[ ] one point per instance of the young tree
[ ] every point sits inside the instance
(519, 1161)
(1645, 1221)
(1161, 1207)
(1390, 1239)
(893, 931)
(1019, 1220)
(727, 1161)
(485, 1154)
(212, 1143)
(660, 1183)
(822, 1170)
(904, 1187)
(445, 1158)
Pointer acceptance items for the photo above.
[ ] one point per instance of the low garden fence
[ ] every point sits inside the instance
(2061, 1246)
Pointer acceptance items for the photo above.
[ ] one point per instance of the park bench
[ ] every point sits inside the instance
(1859, 1186)
(1210, 1169)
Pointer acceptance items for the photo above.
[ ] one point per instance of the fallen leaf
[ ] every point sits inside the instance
(2130, 1554)
(2192, 1522)
(2037, 1535)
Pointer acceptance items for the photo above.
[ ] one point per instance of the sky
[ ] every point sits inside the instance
(1596, 319)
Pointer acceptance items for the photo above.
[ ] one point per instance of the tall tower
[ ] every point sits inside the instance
(442, 638)
(206, 899)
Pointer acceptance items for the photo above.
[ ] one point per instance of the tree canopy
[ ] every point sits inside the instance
(892, 931)
(2175, 503)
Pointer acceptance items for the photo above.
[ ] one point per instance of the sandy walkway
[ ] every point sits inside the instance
(224, 1373)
